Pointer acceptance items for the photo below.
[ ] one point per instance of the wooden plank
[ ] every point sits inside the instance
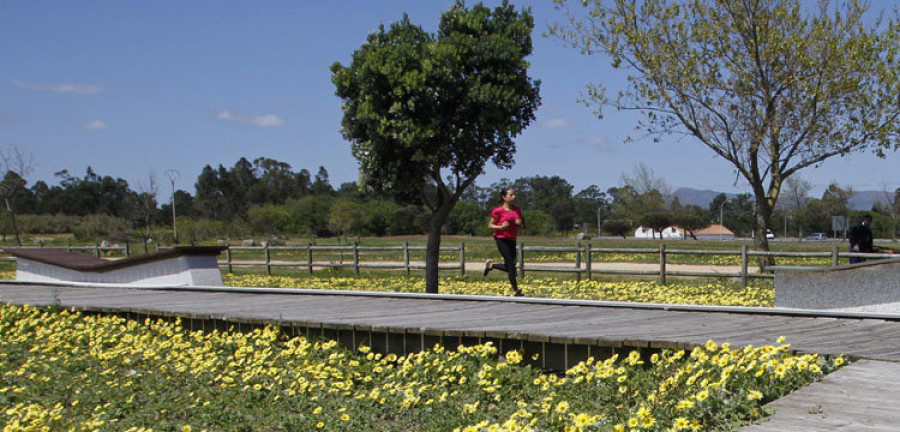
(859, 397)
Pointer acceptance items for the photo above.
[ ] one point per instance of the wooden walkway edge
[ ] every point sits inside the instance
(861, 397)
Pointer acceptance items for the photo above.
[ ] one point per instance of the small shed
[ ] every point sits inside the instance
(177, 266)
(714, 232)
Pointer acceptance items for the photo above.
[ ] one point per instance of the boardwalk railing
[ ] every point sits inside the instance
(585, 265)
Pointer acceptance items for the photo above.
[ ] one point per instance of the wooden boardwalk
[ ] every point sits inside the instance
(860, 397)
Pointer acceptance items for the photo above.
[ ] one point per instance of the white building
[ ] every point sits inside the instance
(670, 233)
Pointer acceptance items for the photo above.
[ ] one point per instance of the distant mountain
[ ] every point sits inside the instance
(861, 200)
(864, 200)
(698, 197)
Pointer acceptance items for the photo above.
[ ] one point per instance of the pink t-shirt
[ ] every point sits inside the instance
(501, 215)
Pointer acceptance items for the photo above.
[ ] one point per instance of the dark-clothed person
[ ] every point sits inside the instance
(861, 239)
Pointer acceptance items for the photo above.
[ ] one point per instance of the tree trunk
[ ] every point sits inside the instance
(762, 218)
(13, 217)
(433, 247)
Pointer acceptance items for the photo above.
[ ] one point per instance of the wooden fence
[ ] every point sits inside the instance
(584, 265)
(356, 264)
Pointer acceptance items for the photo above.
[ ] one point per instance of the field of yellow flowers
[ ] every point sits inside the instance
(679, 292)
(61, 370)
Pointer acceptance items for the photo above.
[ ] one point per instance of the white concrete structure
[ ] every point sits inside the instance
(872, 286)
(670, 233)
(179, 266)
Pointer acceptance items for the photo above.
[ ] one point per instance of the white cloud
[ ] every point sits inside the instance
(96, 125)
(556, 123)
(264, 121)
(602, 145)
(73, 88)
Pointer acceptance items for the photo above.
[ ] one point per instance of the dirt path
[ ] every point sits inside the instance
(478, 267)
(599, 267)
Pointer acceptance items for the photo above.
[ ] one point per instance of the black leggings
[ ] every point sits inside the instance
(507, 248)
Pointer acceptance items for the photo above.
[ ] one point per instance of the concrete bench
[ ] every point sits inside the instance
(177, 266)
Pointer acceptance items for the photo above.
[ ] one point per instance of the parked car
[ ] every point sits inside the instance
(816, 237)
(769, 234)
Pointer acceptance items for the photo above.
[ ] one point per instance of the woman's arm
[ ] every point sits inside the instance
(492, 224)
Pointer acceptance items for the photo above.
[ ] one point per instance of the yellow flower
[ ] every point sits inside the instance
(781, 339)
(186, 428)
(702, 395)
(754, 395)
(681, 423)
(684, 405)
(345, 417)
(582, 420)
(562, 407)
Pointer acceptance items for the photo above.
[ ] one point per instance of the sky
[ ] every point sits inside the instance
(135, 89)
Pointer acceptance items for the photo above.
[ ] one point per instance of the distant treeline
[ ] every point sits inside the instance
(268, 198)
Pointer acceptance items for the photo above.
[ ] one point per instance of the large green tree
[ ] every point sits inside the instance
(425, 112)
(768, 85)
(550, 194)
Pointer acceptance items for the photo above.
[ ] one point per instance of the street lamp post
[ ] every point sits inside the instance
(598, 220)
(173, 175)
(721, 213)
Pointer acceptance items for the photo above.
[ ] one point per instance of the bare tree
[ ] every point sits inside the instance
(795, 197)
(13, 160)
(892, 206)
(145, 202)
(643, 180)
(770, 86)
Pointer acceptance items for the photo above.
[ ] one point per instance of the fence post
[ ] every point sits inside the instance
(406, 256)
(97, 249)
(462, 259)
(309, 260)
(835, 260)
(662, 264)
(587, 258)
(744, 262)
(578, 256)
(521, 259)
(127, 249)
(356, 258)
(228, 258)
(268, 259)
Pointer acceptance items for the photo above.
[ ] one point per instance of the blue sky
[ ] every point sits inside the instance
(135, 88)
